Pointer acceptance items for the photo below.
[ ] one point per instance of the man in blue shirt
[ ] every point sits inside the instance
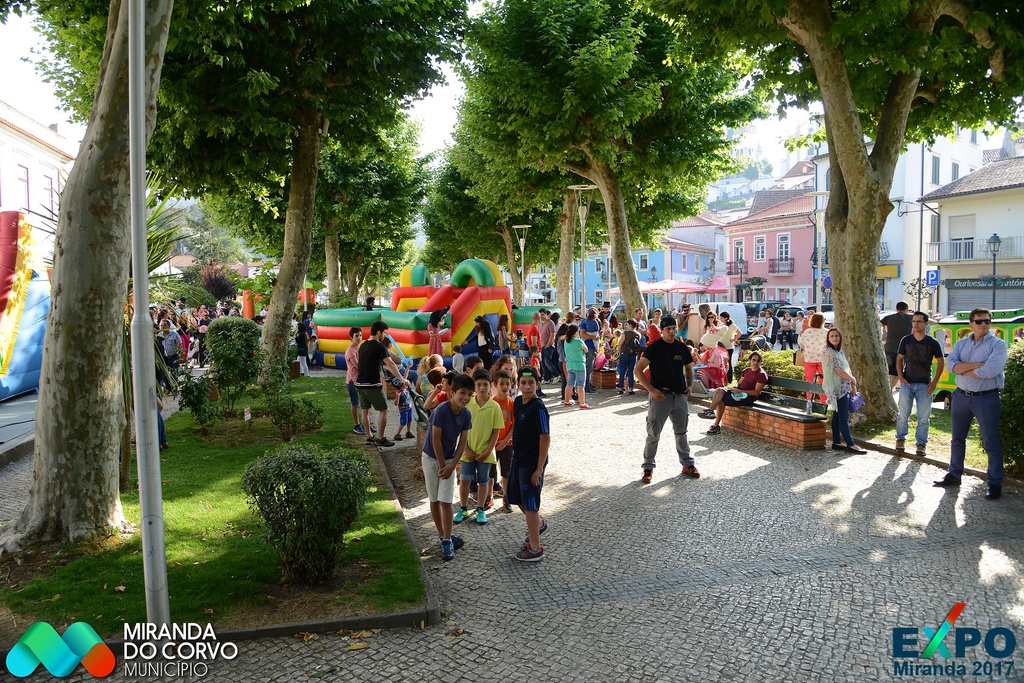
(978, 362)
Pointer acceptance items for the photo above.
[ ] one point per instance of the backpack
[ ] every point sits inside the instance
(633, 345)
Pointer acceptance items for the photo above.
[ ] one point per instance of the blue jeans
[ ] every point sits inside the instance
(909, 393)
(627, 362)
(160, 429)
(841, 422)
(986, 409)
(549, 362)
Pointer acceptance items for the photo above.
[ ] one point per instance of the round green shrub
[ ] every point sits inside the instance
(309, 498)
(233, 345)
(1011, 424)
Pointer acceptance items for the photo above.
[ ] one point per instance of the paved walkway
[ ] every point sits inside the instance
(775, 566)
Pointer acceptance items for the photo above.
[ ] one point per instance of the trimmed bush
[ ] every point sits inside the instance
(232, 345)
(309, 498)
(1011, 424)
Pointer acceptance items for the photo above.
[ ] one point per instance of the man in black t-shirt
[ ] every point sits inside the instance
(897, 326)
(373, 353)
(914, 357)
(671, 366)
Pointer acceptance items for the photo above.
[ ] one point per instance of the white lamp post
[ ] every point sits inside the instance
(583, 209)
(520, 232)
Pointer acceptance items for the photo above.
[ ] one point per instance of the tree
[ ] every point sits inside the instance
(601, 89)
(80, 414)
(886, 74)
(210, 241)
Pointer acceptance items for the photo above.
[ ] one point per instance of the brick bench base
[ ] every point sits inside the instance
(776, 429)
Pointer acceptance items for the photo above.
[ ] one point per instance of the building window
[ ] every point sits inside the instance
(783, 246)
(642, 258)
(935, 229)
(956, 170)
(936, 169)
(51, 196)
(737, 250)
(974, 137)
(760, 248)
(23, 181)
(598, 265)
(598, 295)
(684, 263)
(828, 179)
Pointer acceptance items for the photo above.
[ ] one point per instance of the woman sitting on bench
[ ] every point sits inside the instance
(745, 392)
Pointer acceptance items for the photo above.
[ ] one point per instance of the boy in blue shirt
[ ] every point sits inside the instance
(531, 437)
(442, 449)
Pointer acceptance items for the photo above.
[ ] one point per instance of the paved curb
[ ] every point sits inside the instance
(17, 448)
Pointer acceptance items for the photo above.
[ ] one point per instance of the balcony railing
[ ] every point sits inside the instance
(974, 249)
(736, 268)
(782, 266)
(883, 252)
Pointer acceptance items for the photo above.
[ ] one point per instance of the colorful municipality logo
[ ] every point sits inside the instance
(60, 655)
(997, 644)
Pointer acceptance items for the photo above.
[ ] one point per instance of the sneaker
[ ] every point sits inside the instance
(498, 491)
(707, 414)
(373, 430)
(530, 555)
(410, 435)
(715, 429)
(358, 429)
(691, 472)
(584, 406)
(384, 442)
(489, 505)
(481, 516)
(568, 404)
(506, 509)
(457, 542)
(921, 451)
(459, 516)
(901, 445)
(447, 550)
(397, 437)
(647, 476)
(371, 441)
(632, 393)
(543, 528)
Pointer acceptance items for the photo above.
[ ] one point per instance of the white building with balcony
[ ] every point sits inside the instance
(970, 211)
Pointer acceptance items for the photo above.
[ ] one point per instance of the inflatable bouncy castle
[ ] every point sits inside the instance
(24, 305)
(477, 289)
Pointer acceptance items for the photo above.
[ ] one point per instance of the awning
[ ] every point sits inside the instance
(717, 285)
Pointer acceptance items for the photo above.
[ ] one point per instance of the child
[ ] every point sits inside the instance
(446, 442)
(522, 349)
(575, 368)
(535, 358)
(355, 336)
(479, 455)
(503, 384)
(473, 363)
(439, 394)
(403, 399)
(531, 437)
(458, 360)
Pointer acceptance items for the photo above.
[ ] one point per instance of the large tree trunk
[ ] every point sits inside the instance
(80, 413)
(518, 291)
(333, 265)
(566, 252)
(618, 234)
(298, 237)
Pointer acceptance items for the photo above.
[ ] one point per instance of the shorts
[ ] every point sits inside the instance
(481, 471)
(438, 490)
(890, 360)
(405, 417)
(372, 397)
(729, 400)
(575, 378)
(521, 491)
(505, 460)
(353, 395)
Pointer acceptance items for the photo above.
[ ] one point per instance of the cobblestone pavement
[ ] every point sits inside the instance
(775, 566)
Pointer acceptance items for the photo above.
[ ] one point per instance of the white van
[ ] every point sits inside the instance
(737, 312)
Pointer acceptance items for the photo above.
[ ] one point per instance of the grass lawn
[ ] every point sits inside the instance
(938, 438)
(220, 568)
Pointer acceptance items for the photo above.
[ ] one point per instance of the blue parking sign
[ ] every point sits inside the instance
(931, 278)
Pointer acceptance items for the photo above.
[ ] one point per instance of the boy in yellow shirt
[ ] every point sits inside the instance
(479, 457)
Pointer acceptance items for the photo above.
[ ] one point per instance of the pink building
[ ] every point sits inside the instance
(774, 242)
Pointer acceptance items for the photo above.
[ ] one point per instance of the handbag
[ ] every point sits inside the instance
(856, 402)
(798, 358)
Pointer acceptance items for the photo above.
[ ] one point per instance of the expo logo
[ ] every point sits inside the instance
(904, 640)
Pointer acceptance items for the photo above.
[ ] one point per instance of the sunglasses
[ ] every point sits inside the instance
(987, 321)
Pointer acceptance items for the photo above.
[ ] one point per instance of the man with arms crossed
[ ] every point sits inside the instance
(671, 365)
(977, 361)
(372, 353)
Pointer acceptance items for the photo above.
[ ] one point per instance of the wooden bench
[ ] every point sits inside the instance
(780, 418)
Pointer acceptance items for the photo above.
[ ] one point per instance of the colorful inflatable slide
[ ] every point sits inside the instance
(477, 289)
(24, 304)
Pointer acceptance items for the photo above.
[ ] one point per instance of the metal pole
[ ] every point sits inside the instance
(995, 282)
(154, 558)
(583, 260)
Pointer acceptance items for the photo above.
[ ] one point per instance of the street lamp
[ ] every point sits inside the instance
(993, 246)
(520, 232)
(582, 210)
(819, 226)
(741, 266)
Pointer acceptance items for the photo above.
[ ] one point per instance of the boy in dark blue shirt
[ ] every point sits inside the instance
(531, 437)
(442, 449)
